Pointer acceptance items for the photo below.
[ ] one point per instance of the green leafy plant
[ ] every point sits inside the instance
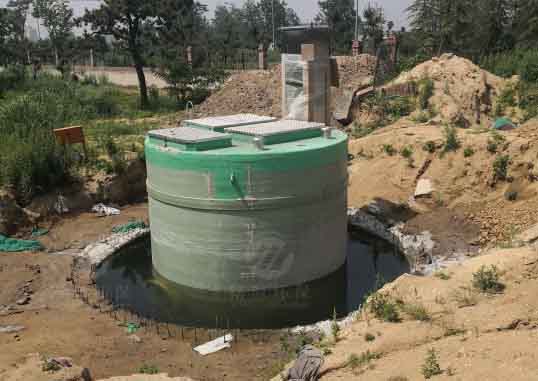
(486, 279)
(429, 146)
(442, 275)
(389, 149)
(335, 328)
(365, 358)
(407, 152)
(148, 369)
(369, 337)
(383, 308)
(425, 92)
(431, 365)
(452, 142)
(468, 152)
(417, 312)
(500, 167)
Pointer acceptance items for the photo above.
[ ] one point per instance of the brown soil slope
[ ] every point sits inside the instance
(475, 336)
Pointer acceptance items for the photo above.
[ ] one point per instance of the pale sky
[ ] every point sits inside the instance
(306, 9)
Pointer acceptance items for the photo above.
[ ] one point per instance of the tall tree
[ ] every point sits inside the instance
(57, 17)
(124, 20)
(373, 25)
(340, 16)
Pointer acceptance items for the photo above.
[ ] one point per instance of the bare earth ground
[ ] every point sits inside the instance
(58, 324)
(495, 339)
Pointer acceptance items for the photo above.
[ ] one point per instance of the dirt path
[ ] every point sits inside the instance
(59, 324)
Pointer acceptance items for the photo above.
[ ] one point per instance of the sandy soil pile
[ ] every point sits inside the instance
(463, 184)
(255, 91)
(458, 83)
(260, 92)
(475, 336)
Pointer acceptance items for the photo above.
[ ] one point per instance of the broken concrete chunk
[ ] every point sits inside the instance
(424, 188)
(11, 328)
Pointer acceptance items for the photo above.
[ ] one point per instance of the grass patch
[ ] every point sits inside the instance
(487, 280)
(148, 369)
(468, 152)
(465, 297)
(384, 308)
(442, 275)
(425, 92)
(429, 146)
(369, 337)
(416, 312)
(451, 142)
(355, 362)
(389, 149)
(500, 167)
(407, 152)
(431, 365)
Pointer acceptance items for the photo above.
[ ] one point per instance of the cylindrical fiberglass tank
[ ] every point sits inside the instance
(251, 207)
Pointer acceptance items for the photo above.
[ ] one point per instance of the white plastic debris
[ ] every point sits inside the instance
(216, 345)
(424, 188)
(103, 210)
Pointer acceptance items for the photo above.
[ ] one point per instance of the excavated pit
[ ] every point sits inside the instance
(129, 281)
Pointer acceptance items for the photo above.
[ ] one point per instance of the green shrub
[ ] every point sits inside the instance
(429, 146)
(148, 369)
(487, 280)
(468, 152)
(425, 92)
(389, 149)
(335, 328)
(369, 337)
(417, 312)
(500, 167)
(452, 142)
(365, 358)
(383, 308)
(407, 152)
(431, 365)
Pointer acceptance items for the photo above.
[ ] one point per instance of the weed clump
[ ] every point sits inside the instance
(417, 312)
(369, 337)
(425, 92)
(431, 365)
(365, 358)
(468, 152)
(500, 168)
(487, 280)
(384, 308)
(407, 152)
(148, 369)
(389, 149)
(452, 142)
(429, 146)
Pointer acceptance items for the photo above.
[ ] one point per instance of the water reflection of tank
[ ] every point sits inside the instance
(247, 203)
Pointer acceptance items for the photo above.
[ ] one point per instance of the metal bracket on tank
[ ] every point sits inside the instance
(233, 179)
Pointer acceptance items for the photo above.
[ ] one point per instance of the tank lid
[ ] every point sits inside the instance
(222, 122)
(190, 136)
(280, 131)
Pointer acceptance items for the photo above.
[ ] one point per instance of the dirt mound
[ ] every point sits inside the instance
(460, 88)
(260, 92)
(255, 91)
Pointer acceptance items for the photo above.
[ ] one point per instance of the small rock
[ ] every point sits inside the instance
(135, 339)
(11, 328)
(424, 188)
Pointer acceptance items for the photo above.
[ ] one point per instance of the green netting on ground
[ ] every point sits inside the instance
(133, 225)
(12, 245)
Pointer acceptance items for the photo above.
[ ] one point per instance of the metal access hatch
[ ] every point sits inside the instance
(192, 139)
(281, 131)
(220, 123)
